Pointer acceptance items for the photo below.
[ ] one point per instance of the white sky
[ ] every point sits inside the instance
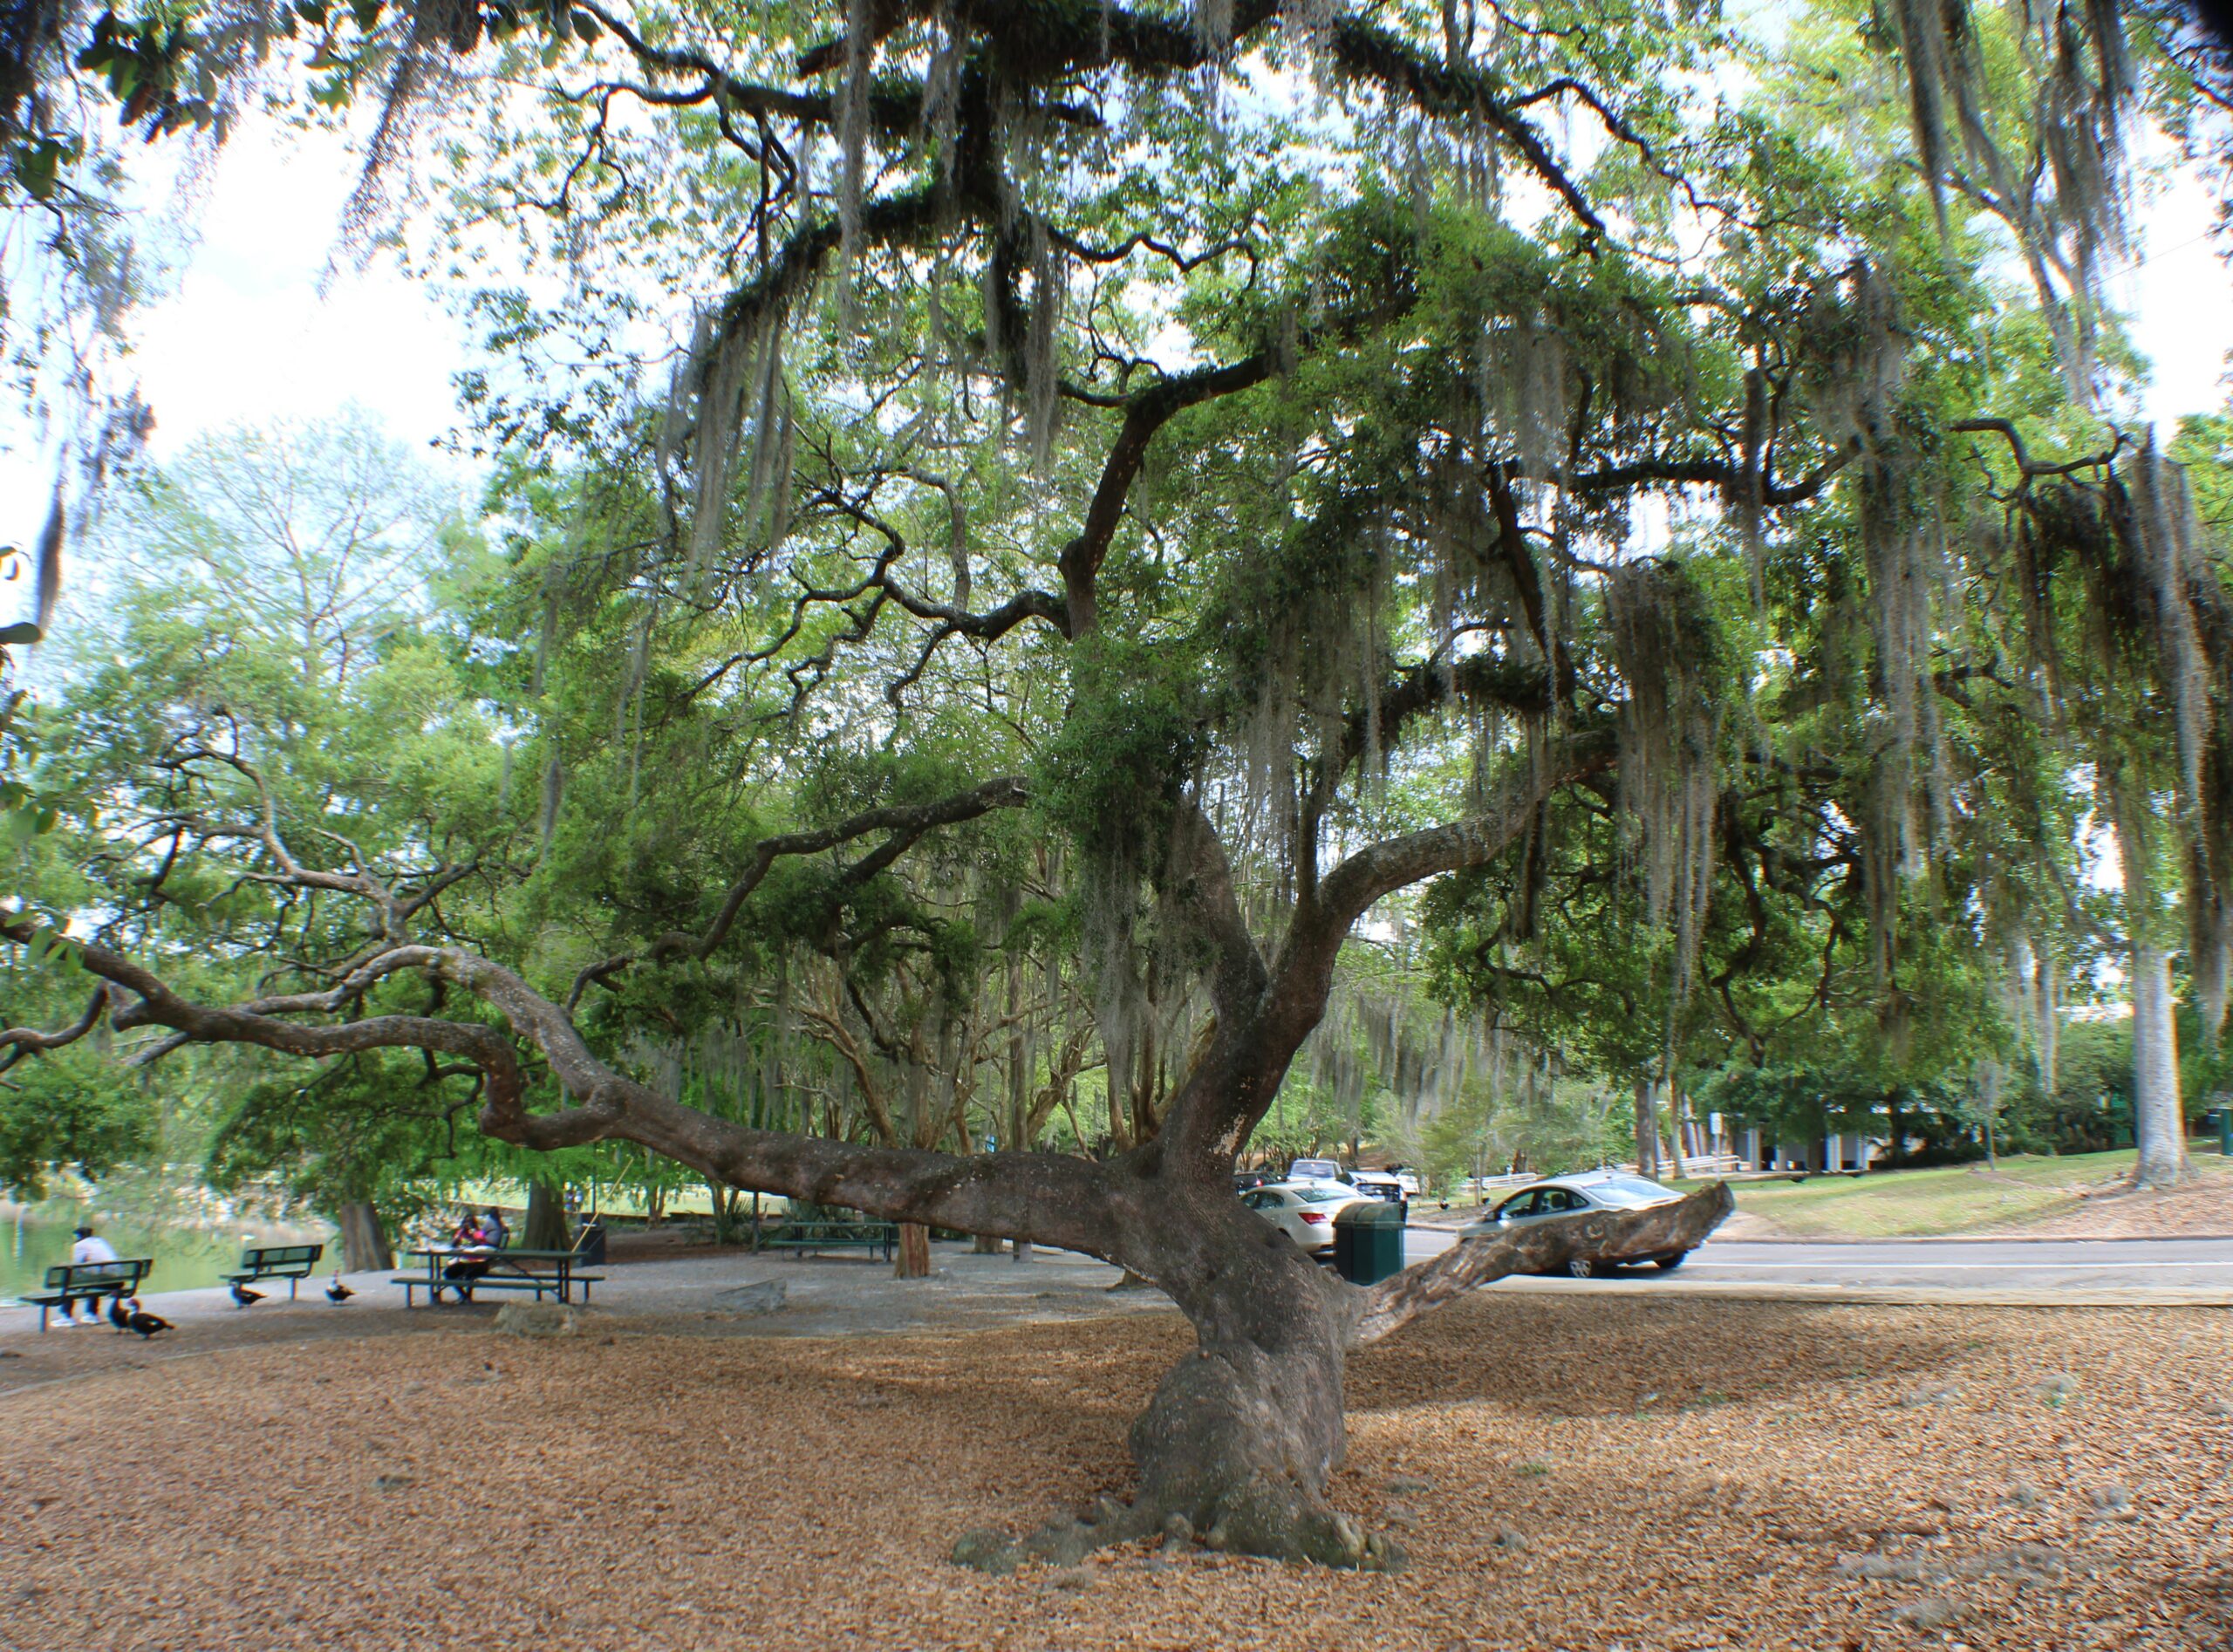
(245, 336)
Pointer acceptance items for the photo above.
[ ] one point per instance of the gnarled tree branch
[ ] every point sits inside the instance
(1539, 1247)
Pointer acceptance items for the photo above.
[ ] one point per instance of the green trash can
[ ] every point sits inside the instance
(1369, 1241)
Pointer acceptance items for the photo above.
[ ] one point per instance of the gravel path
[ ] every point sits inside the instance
(1764, 1475)
(668, 1289)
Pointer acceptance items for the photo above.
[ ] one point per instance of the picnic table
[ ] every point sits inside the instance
(292, 1263)
(834, 1234)
(509, 1270)
(69, 1282)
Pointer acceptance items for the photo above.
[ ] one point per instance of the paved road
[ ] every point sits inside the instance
(2091, 1268)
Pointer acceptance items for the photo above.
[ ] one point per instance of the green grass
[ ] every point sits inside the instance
(1961, 1198)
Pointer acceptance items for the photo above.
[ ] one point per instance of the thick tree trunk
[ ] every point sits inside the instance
(914, 1251)
(1243, 1433)
(2158, 1119)
(364, 1241)
(1646, 1131)
(545, 1226)
(1237, 1444)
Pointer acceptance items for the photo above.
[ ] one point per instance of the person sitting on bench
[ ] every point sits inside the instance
(463, 1270)
(88, 1246)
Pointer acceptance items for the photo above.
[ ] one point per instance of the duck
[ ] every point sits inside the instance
(120, 1315)
(245, 1298)
(147, 1324)
(337, 1292)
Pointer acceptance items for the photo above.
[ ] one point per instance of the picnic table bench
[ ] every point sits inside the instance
(70, 1282)
(535, 1271)
(292, 1263)
(834, 1234)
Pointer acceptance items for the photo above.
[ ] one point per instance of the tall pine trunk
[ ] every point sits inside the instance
(1647, 1130)
(2158, 1119)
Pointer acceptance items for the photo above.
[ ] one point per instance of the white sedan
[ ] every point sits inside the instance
(1303, 1210)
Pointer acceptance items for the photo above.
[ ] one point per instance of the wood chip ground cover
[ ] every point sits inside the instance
(1565, 1472)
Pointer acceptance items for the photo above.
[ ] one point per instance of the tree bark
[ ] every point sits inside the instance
(1646, 1131)
(2158, 1118)
(2158, 1121)
(1243, 1433)
(914, 1253)
(544, 1228)
(364, 1241)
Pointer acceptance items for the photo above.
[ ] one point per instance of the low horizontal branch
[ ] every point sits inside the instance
(1539, 1247)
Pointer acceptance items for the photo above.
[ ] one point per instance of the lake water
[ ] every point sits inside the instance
(185, 1257)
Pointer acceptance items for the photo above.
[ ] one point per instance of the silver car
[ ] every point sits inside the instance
(1614, 1191)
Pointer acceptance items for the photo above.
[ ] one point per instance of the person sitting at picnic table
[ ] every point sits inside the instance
(470, 1236)
(87, 1246)
(497, 1230)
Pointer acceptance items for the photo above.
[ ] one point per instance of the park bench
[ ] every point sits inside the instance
(72, 1282)
(834, 1234)
(292, 1263)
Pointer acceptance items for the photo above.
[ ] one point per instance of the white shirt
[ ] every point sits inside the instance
(93, 1248)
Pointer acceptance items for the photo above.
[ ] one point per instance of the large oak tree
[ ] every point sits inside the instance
(1287, 451)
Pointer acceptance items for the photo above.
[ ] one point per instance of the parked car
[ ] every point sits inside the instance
(1243, 1180)
(1380, 1184)
(1573, 1195)
(1407, 1179)
(1303, 1210)
(1317, 1169)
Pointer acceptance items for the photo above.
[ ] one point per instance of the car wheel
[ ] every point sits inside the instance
(1669, 1264)
(1581, 1268)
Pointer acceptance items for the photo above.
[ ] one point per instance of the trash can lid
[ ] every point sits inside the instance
(1369, 1213)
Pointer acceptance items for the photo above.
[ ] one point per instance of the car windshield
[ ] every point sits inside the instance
(1631, 1192)
(1303, 1167)
(1320, 1195)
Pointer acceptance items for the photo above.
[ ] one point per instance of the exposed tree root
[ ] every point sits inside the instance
(1261, 1516)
